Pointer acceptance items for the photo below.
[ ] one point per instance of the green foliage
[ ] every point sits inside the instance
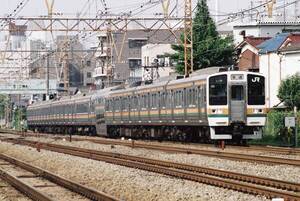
(208, 47)
(275, 131)
(3, 103)
(289, 91)
(19, 116)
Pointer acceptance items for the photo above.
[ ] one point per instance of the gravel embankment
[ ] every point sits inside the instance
(212, 148)
(281, 172)
(122, 182)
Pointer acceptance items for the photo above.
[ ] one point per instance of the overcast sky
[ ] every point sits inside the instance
(71, 7)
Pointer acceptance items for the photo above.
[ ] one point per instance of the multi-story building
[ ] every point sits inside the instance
(120, 54)
(14, 63)
(67, 51)
(156, 62)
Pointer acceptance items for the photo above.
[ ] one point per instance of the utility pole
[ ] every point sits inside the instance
(66, 73)
(109, 71)
(47, 75)
(296, 126)
(188, 38)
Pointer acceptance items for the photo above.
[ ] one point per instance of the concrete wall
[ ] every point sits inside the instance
(277, 67)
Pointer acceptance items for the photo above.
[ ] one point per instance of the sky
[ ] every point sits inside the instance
(71, 7)
(88, 8)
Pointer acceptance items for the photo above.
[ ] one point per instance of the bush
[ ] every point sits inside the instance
(275, 132)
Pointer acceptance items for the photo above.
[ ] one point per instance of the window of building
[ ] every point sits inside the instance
(88, 63)
(135, 63)
(88, 74)
(136, 43)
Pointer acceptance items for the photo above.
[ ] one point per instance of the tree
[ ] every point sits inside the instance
(289, 91)
(3, 103)
(209, 48)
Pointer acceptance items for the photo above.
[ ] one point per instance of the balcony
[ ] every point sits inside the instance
(102, 52)
(99, 72)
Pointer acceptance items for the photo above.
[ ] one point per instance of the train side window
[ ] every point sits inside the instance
(132, 102)
(154, 101)
(170, 98)
(148, 100)
(136, 102)
(194, 97)
(162, 100)
(127, 103)
(179, 98)
(106, 105)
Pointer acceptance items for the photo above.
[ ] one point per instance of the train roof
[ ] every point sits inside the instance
(179, 83)
(236, 72)
(77, 98)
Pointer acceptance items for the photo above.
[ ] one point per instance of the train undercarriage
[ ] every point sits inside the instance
(195, 134)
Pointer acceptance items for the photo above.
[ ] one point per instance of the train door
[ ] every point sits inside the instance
(237, 103)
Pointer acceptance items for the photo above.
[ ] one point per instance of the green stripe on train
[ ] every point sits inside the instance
(217, 115)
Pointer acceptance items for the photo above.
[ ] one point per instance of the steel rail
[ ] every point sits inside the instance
(218, 154)
(280, 150)
(22, 187)
(249, 183)
(68, 184)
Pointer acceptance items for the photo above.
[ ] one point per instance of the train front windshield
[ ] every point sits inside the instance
(218, 90)
(256, 90)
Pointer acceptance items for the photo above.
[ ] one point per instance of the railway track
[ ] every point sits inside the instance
(37, 183)
(211, 153)
(241, 182)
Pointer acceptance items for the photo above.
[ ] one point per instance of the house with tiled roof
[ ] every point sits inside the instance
(279, 57)
(248, 57)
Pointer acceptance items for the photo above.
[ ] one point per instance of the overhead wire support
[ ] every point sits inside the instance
(188, 38)
(73, 24)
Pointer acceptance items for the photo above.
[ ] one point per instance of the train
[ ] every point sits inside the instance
(229, 105)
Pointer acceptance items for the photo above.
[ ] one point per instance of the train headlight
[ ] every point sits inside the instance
(257, 111)
(217, 111)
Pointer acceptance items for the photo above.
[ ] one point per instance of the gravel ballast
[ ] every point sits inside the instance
(122, 182)
(8, 193)
(280, 172)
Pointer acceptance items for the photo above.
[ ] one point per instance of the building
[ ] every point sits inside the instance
(14, 61)
(156, 62)
(120, 54)
(249, 58)
(88, 65)
(279, 58)
(67, 51)
(263, 29)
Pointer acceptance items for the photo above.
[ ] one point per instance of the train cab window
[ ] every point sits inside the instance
(218, 90)
(237, 92)
(256, 90)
